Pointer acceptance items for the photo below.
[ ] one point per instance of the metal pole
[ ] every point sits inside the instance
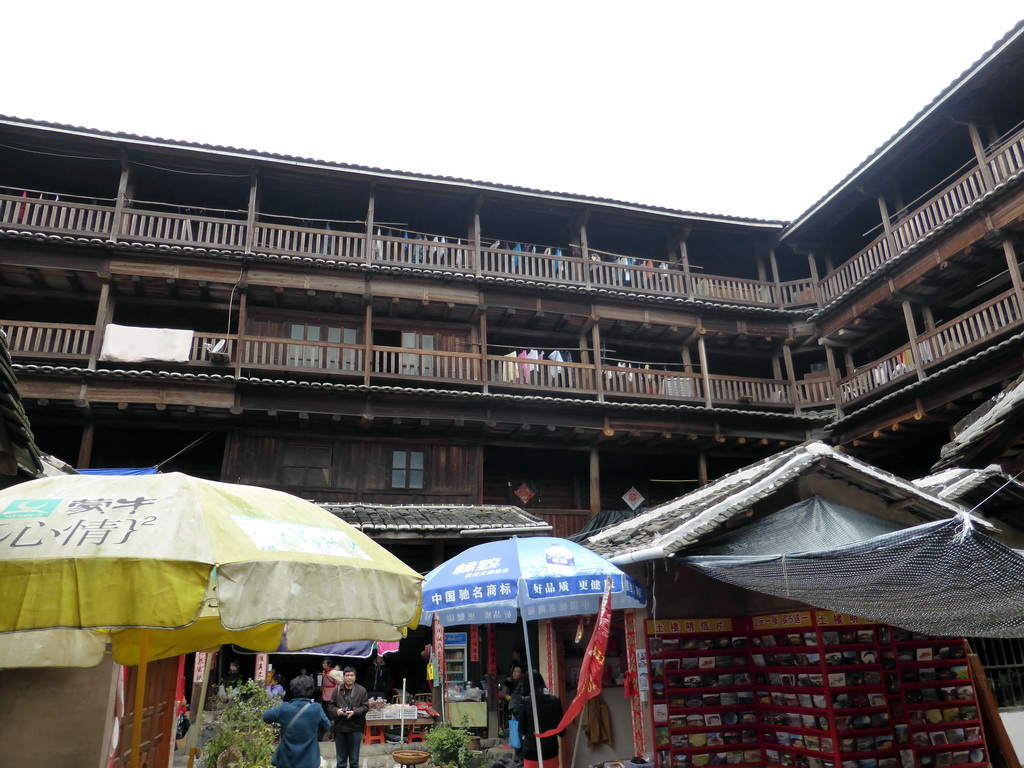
(533, 690)
(401, 733)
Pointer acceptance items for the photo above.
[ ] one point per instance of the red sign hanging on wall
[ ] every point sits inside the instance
(492, 651)
(474, 642)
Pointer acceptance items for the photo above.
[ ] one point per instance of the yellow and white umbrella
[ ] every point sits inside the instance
(161, 565)
(194, 562)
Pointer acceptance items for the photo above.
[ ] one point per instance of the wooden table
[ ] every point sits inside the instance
(374, 733)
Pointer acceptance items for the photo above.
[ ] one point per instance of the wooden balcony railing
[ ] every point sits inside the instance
(734, 290)
(971, 329)
(815, 392)
(55, 217)
(59, 342)
(183, 229)
(739, 390)
(651, 384)
(961, 335)
(877, 375)
(302, 241)
(254, 355)
(1005, 161)
(602, 270)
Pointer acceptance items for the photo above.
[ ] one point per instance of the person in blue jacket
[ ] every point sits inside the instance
(302, 721)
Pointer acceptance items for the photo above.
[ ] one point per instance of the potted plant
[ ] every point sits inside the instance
(240, 730)
(448, 745)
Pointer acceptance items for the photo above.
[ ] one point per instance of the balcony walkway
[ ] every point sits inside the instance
(31, 211)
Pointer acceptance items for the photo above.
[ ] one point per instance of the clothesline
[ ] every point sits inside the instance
(649, 364)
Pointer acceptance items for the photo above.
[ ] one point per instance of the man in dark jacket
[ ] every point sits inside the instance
(549, 712)
(378, 681)
(348, 708)
(302, 720)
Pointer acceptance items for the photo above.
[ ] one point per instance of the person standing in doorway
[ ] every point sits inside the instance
(348, 706)
(378, 681)
(327, 686)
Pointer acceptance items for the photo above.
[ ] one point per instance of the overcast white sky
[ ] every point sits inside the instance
(743, 108)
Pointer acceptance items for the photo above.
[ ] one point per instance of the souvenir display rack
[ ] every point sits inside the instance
(936, 702)
(810, 689)
(820, 689)
(702, 694)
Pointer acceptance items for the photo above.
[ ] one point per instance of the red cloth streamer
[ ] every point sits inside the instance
(592, 670)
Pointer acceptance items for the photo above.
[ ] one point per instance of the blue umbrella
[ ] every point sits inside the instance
(534, 578)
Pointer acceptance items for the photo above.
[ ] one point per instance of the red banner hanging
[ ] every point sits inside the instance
(492, 651)
(474, 642)
(592, 670)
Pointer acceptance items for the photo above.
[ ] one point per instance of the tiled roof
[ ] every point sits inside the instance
(440, 520)
(806, 417)
(384, 172)
(991, 491)
(964, 77)
(992, 419)
(683, 521)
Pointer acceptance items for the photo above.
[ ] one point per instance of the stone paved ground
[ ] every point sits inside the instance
(379, 755)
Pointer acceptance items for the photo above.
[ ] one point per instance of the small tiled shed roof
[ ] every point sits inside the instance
(991, 491)
(668, 528)
(987, 430)
(440, 520)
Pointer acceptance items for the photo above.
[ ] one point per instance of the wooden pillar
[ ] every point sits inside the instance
(702, 353)
(813, 266)
(915, 353)
(367, 342)
(702, 467)
(684, 259)
(890, 238)
(485, 372)
(240, 331)
(250, 218)
(85, 446)
(478, 451)
(585, 251)
(104, 313)
(598, 360)
(834, 376)
(595, 480)
(370, 215)
(762, 273)
(928, 317)
(787, 358)
(1010, 253)
(979, 154)
(121, 202)
(477, 235)
(780, 300)
(687, 360)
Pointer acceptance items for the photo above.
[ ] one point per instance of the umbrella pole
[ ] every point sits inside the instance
(140, 700)
(401, 734)
(533, 695)
(192, 737)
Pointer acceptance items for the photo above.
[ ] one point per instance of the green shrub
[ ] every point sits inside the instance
(447, 745)
(239, 723)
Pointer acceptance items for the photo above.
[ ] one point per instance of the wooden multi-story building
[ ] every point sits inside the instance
(369, 336)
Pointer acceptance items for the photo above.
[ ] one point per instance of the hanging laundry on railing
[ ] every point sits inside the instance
(508, 371)
(555, 370)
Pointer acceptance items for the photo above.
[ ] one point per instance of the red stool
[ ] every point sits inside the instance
(416, 733)
(374, 734)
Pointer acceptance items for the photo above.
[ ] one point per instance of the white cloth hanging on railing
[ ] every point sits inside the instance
(128, 344)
